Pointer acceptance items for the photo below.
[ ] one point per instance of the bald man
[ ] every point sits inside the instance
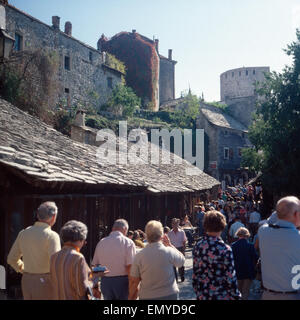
(279, 245)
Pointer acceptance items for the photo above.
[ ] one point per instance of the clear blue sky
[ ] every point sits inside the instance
(208, 37)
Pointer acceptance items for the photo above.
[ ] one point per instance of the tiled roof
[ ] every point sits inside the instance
(218, 118)
(41, 154)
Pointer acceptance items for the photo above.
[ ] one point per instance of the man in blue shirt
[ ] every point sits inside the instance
(279, 245)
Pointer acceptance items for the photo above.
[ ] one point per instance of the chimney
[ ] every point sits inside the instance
(170, 54)
(156, 44)
(133, 31)
(68, 28)
(56, 22)
(80, 118)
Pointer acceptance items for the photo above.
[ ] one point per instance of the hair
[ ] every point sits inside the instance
(242, 233)
(120, 224)
(73, 231)
(130, 233)
(166, 229)
(175, 221)
(154, 231)
(46, 211)
(286, 206)
(214, 221)
(136, 235)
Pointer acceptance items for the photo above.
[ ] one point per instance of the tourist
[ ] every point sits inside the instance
(137, 240)
(188, 229)
(35, 245)
(152, 267)
(245, 260)
(254, 220)
(279, 245)
(116, 253)
(214, 275)
(70, 274)
(178, 239)
(234, 228)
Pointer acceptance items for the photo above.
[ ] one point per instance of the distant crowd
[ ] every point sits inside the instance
(235, 253)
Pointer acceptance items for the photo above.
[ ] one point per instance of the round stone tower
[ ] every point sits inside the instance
(237, 83)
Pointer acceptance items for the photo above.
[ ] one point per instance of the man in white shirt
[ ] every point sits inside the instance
(116, 252)
(254, 220)
(178, 239)
(235, 227)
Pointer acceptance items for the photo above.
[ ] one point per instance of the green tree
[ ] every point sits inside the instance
(123, 101)
(276, 127)
(186, 114)
(252, 160)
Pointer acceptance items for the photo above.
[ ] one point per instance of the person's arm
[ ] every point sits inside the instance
(256, 244)
(53, 244)
(14, 256)
(133, 288)
(230, 275)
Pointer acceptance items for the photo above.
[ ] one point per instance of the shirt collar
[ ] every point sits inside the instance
(116, 233)
(42, 224)
(285, 224)
(155, 244)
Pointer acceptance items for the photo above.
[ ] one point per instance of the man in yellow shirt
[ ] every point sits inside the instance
(35, 245)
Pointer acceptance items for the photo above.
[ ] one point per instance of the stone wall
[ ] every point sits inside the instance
(166, 80)
(239, 82)
(242, 109)
(86, 72)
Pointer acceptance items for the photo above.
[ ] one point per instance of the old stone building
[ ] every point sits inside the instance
(82, 68)
(225, 137)
(238, 91)
(150, 74)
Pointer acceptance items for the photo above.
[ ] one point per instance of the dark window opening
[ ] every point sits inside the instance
(91, 56)
(232, 74)
(226, 153)
(18, 42)
(109, 83)
(246, 72)
(240, 73)
(253, 71)
(67, 90)
(67, 63)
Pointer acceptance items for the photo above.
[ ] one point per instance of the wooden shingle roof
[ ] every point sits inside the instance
(38, 151)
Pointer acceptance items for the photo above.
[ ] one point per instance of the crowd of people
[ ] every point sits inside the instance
(231, 246)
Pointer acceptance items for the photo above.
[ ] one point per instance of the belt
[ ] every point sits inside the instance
(280, 292)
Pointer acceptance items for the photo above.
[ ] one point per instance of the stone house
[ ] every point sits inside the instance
(82, 68)
(150, 74)
(225, 137)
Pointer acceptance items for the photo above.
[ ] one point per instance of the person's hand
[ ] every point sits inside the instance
(166, 240)
(97, 293)
(94, 275)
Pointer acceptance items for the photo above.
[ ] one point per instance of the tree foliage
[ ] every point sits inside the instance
(276, 127)
(123, 101)
(186, 114)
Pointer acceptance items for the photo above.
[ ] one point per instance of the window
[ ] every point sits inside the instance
(232, 74)
(109, 82)
(225, 133)
(240, 151)
(246, 72)
(91, 56)
(240, 73)
(67, 90)
(18, 42)
(226, 153)
(253, 71)
(67, 63)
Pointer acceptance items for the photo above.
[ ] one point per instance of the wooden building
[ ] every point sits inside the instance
(37, 164)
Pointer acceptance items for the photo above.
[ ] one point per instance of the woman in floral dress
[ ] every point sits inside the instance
(214, 276)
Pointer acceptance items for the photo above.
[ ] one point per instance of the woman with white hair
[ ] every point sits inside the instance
(152, 267)
(245, 259)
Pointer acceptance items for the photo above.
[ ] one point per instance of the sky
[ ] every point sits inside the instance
(208, 37)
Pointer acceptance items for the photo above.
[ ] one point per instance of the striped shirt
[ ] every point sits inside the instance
(69, 275)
